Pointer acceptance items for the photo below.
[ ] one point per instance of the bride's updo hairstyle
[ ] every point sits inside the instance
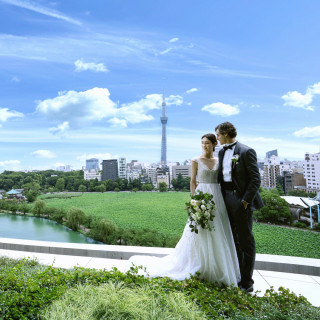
(211, 137)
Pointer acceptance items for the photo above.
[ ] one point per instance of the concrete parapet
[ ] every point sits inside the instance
(268, 262)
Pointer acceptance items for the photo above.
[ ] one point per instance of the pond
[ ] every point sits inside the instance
(32, 228)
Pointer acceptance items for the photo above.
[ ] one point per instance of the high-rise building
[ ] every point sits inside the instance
(271, 153)
(109, 169)
(164, 121)
(92, 164)
(312, 171)
(122, 168)
(271, 170)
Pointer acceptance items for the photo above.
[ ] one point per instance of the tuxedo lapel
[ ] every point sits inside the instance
(221, 154)
(233, 166)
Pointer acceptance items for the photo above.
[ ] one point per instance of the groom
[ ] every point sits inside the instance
(240, 181)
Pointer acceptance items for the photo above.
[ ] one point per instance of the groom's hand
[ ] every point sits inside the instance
(245, 204)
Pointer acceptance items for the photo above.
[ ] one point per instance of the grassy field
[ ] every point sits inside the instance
(165, 212)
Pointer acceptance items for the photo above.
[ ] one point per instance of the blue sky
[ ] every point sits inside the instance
(84, 79)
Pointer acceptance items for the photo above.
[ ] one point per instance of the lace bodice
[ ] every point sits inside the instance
(205, 175)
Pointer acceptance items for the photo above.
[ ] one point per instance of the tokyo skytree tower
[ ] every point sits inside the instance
(164, 121)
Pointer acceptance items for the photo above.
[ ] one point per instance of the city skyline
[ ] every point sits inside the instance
(85, 81)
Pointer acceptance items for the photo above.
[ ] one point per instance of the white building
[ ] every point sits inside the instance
(122, 168)
(312, 171)
(66, 168)
(271, 170)
(152, 174)
(91, 175)
(184, 170)
(163, 178)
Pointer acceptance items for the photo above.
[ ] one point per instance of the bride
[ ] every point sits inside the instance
(211, 253)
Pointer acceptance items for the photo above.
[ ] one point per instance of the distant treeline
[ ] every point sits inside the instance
(52, 181)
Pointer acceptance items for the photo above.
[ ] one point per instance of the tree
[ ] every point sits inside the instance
(75, 217)
(60, 184)
(39, 208)
(32, 195)
(275, 210)
(109, 185)
(24, 207)
(163, 187)
(301, 193)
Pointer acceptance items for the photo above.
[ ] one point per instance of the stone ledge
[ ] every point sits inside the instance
(268, 262)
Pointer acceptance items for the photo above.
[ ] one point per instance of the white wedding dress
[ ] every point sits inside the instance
(212, 253)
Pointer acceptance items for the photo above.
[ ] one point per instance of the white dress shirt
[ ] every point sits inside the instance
(227, 163)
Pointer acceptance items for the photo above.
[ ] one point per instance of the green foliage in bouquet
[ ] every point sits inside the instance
(200, 211)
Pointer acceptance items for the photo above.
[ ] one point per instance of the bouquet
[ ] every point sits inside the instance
(200, 211)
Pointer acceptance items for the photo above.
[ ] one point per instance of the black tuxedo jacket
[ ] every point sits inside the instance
(245, 174)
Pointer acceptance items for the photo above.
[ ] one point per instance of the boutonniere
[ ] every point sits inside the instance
(235, 158)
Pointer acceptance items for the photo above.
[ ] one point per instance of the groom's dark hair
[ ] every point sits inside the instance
(227, 128)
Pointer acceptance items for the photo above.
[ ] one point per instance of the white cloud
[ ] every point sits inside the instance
(9, 163)
(298, 100)
(78, 109)
(43, 154)
(165, 51)
(91, 66)
(221, 109)
(61, 129)
(6, 114)
(101, 156)
(308, 132)
(59, 164)
(15, 79)
(173, 40)
(255, 106)
(192, 90)
(42, 10)
(314, 89)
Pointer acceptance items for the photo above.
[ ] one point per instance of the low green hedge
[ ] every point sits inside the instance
(27, 289)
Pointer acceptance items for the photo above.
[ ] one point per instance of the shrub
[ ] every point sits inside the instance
(39, 208)
(163, 187)
(147, 187)
(82, 188)
(103, 230)
(135, 190)
(300, 224)
(75, 217)
(141, 237)
(116, 189)
(58, 215)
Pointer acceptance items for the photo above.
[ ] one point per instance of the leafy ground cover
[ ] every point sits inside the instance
(165, 213)
(31, 291)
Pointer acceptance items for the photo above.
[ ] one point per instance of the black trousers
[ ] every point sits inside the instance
(241, 225)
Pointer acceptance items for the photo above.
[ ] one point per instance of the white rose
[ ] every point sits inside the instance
(193, 202)
(203, 207)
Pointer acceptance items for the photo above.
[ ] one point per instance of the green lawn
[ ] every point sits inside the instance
(165, 212)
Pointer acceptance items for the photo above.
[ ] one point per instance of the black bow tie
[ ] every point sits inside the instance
(230, 146)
